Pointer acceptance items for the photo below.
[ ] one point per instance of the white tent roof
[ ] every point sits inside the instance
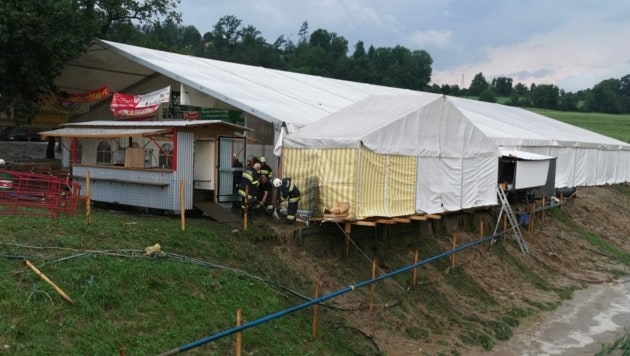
(511, 126)
(417, 125)
(527, 156)
(273, 95)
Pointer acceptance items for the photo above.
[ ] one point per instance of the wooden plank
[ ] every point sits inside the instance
(364, 223)
(433, 216)
(419, 217)
(402, 220)
(386, 221)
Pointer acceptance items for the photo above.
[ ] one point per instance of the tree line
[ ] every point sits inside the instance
(35, 49)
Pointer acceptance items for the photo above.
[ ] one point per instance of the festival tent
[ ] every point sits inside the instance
(393, 156)
(294, 100)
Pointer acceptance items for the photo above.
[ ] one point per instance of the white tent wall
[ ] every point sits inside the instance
(583, 157)
(460, 169)
(606, 167)
(623, 170)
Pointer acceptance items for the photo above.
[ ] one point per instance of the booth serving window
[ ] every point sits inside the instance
(104, 152)
(166, 153)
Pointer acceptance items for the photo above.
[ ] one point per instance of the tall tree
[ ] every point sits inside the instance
(502, 86)
(478, 85)
(37, 38)
(545, 96)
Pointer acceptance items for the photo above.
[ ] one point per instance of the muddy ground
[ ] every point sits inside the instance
(480, 303)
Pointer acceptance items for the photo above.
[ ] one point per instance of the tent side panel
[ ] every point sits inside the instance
(386, 185)
(626, 161)
(301, 166)
(480, 181)
(429, 195)
(325, 175)
(606, 167)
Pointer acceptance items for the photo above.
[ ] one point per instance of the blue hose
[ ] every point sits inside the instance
(323, 298)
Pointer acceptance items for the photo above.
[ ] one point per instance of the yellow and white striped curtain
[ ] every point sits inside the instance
(373, 184)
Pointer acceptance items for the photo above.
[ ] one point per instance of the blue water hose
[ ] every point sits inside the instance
(323, 298)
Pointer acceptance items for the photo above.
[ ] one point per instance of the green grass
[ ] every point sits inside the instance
(151, 305)
(615, 126)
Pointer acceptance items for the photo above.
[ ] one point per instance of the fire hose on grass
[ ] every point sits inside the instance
(326, 297)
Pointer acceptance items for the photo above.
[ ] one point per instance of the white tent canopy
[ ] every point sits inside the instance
(456, 162)
(295, 100)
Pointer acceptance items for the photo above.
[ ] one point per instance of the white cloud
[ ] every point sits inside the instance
(584, 51)
(437, 38)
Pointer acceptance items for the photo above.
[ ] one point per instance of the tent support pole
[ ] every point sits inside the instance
(346, 248)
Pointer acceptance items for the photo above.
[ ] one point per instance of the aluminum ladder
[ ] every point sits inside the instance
(514, 226)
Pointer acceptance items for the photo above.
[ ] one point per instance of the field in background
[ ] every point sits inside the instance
(615, 126)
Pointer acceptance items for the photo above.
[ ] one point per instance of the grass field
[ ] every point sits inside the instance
(150, 305)
(615, 126)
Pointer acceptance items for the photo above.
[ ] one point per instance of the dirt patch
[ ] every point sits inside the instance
(469, 308)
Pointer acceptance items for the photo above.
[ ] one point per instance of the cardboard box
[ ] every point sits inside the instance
(134, 157)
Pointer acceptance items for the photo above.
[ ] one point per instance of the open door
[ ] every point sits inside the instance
(229, 172)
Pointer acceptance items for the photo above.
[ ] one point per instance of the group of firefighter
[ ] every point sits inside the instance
(261, 191)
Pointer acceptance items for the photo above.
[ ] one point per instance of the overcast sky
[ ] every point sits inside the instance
(573, 44)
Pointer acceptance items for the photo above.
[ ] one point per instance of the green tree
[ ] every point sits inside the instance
(478, 85)
(502, 86)
(37, 38)
(545, 96)
(488, 96)
(521, 89)
(567, 101)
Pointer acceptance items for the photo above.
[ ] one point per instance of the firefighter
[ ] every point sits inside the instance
(248, 188)
(288, 192)
(265, 170)
(265, 193)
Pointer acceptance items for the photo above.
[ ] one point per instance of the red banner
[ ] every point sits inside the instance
(130, 106)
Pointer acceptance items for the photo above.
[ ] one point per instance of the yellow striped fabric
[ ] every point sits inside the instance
(373, 184)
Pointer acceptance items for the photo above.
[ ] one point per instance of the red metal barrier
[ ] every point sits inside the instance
(23, 193)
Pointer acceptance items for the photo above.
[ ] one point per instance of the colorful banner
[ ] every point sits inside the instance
(92, 95)
(126, 106)
(56, 110)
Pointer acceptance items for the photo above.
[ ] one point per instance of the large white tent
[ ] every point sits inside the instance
(455, 163)
(296, 100)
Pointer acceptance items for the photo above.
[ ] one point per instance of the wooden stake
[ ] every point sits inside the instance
(481, 232)
(532, 209)
(182, 206)
(316, 310)
(542, 212)
(42, 276)
(239, 335)
(346, 249)
(372, 285)
(88, 199)
(415, 270)
(453, 255)
(504, 221)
